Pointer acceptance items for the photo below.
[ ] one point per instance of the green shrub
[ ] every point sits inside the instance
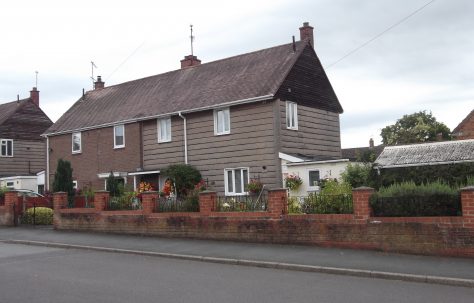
(327, 204)
(38, 215)
(357, 174)
(63, 178)
(409, 200)
(184, 176)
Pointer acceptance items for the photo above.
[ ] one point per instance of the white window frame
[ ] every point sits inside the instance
(291, 115)
(74, 184)
(312, 185)
(167, 121)
(5, 142)
(226, 181)
(79, 134)
(226, 112)
(115, 136)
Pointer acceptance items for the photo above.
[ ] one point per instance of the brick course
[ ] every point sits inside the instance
(453, 236)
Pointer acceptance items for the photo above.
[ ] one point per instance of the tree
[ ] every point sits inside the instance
(63, 178)
(357, 174)
(415, 128)
(114, 186)
(184, 176)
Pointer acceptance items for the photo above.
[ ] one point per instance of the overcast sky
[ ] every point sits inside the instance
(425, 63)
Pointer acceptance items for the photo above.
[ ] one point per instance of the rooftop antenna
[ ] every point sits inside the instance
(192, 39)
(36, 81)
(92, 72)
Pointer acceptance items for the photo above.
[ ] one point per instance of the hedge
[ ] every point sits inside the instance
(38, 215)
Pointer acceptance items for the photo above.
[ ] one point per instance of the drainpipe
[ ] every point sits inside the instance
(185, 139)
(46, 177)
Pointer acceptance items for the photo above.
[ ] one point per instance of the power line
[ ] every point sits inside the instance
(126, 59)
(380, 34)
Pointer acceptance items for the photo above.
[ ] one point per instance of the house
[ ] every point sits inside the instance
(22, 149)
(233, 119)
(465, 129)
(363, 154)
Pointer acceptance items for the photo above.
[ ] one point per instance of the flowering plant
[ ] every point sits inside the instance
(145, 186)
(293, 182)
(168, 188)
(200, 186)
(254, 186)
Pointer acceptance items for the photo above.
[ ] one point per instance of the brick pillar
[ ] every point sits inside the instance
(149, 199)
(360, 202)
(59, 202)
(101, 198)
(11, 199)
(278, 202)
(467, 204)
(207, 202)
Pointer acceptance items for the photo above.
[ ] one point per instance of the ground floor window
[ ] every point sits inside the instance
(236, 180)
(314, 178)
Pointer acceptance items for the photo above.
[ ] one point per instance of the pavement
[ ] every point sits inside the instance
(363, 263)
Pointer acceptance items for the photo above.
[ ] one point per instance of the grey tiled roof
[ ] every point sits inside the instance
(8, 109)
(427, 154)
(208, 85)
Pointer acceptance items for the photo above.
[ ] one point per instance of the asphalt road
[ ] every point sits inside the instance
(41, 274)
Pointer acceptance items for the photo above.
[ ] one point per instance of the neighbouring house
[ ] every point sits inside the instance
(22, 149)
(465, 129)
(362, 154)
(233, 119)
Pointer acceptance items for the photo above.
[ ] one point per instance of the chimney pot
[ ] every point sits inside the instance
(99, 84)
(34, 96)
(371, 142)
(306, 33)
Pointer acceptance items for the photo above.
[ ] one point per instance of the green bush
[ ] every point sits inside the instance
(457, 175)
(63, 178)
(357, 174)
(410, 200)
(38, 215)
(184, 176)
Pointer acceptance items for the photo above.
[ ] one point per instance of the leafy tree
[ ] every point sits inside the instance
(357, 174)
(63, 178)
(414, 128)
(184, 176)
(114, 186)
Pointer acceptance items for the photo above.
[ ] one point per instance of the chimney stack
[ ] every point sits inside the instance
(190, 60)
(371, 143)
(306, 33)
(35, 96)
(99, 84)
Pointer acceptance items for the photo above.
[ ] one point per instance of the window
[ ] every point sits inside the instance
(76, 143)
(291, 115)
(236, 179)
(164, 130)
(222, 121)
(119, 136)
(6, 148)
(10, 185)
(314, 178)
(74, 184)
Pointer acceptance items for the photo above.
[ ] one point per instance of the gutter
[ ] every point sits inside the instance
(185, 138)
(317, 162)
(226, 104)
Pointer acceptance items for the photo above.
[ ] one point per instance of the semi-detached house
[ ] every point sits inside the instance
(233, 119)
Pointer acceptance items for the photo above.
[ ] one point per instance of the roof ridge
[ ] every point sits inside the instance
(430, 143)
(208, 63)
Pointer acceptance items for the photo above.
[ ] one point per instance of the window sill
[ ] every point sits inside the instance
(77, 152)
(119, 147)
(164, 141)
(221, 134)
(236, 195)
(292, 128)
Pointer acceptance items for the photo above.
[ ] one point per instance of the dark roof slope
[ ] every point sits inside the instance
(356, 153)
(463, 122)
(22, 119)
(427, 154)
(246, 76)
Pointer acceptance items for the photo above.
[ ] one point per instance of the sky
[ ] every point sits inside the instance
(423, 62)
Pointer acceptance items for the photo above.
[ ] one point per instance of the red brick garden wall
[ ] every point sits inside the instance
(425, 235)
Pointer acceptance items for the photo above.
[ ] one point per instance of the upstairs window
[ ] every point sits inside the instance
(222, 121)
(119, 136)
(291, 115)
(6, 146)
(76, 143)
(236, 179)
(164, 130)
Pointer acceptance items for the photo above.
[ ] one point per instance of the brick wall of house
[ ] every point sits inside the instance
(466, 131)
(452, 236)
(98, 155)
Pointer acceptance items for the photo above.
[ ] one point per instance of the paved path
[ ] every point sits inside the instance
(345, 259)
